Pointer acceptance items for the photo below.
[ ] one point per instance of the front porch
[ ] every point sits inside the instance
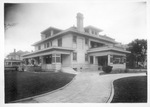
(48, 60)
(106, 55)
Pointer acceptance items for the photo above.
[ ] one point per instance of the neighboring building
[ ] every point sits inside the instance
(16, 55)
(14, 60)
(77, 47)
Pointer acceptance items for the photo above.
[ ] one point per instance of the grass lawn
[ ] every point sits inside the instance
(20, 85)
(130, 90)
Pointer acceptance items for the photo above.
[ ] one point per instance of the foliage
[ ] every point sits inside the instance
(107, 69)
(138, 49)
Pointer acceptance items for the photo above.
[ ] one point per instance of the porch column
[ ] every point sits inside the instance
(42, 60)
(108, 59)
(94, 60)
(89, 43)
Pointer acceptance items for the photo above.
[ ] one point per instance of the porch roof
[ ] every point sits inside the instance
(51, 50)
(108, 48)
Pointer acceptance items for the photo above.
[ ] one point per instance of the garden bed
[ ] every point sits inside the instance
(20, 85)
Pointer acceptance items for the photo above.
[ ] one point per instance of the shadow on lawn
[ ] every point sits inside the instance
(20, 85)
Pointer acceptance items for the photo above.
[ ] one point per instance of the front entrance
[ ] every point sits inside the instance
(102, 60)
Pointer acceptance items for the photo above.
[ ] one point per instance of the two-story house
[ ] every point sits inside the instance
(76, 47)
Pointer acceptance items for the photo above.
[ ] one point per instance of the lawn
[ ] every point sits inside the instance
(20, 85)
(130, 90)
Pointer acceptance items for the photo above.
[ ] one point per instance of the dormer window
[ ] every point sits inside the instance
(92, 30)
(48, 34)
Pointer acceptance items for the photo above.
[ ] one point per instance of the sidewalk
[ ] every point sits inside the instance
(88, 87)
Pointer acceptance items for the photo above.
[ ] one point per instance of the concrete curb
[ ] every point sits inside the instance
(33, 97)
(111, 93)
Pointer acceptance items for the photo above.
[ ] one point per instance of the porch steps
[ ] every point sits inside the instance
(68, 70)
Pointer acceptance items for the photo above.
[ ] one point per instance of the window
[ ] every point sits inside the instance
(74, 39)
(56, 58)
(48, 59)
(86, 57)
(60, 42)
(74, 56)
(92, 32)
(86, 41)
(47, 34)
(91, 59)
(118, 60)
(51, 43)
(39, 47)
(47, 45)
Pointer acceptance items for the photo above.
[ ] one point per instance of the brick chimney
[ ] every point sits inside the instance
(80, 22)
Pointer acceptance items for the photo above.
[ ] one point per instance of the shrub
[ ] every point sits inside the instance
(107, 69)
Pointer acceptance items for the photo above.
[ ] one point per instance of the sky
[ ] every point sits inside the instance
(123, 21)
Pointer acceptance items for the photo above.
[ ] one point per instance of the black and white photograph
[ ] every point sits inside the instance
(75, 52)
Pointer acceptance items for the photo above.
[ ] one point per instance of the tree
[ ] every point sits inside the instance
(138, 56)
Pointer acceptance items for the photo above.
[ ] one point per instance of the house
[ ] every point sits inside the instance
(14, 60)
(76, 47)
(16, 55)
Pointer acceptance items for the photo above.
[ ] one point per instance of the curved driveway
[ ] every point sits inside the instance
(87, 87)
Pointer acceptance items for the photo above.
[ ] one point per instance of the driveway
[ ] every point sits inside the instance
(87, 87)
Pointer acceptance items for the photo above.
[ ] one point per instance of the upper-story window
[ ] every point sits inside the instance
(74, 56)
(39, 47)
(51, 43)
(74, 39)
(92, 32)
(44, 45)
(86, 57)
(47, 34)
(60, 42)
(86, 41)
(91, 59)
(47, 45)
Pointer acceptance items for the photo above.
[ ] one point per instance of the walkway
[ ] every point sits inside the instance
(87, 87)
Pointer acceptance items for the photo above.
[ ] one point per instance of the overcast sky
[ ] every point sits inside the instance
(123, 21)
